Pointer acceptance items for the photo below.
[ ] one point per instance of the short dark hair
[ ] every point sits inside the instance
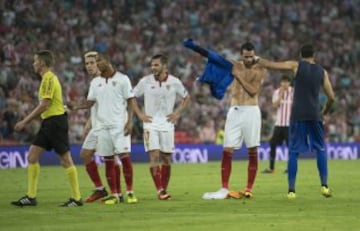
(285, 78)
(307, 51)
(247, 46)
(163, 58)
(47, 57)
(104, 56)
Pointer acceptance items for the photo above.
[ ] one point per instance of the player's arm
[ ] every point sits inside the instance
(135, 108)
(253, 87)
(328, 89)
(179, 110)
(286, 65)
(87, 127)
(84, 105)
(46, 92)
(90, 100)
(129, 124)
(40, 108)
(132, 102)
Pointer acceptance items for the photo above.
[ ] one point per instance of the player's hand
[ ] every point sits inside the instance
(172, 117)
(145, 118)
(86, 131)
(19, 126)
(281, 93)
(128, 128)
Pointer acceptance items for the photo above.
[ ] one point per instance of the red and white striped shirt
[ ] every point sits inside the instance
(284, 109)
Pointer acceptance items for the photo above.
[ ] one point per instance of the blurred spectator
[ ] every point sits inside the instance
(207, 132)
(220, 132)
(129, 30)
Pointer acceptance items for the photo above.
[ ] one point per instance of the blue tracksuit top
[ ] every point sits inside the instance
(217, 71)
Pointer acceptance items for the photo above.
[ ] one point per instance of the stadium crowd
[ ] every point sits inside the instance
(132, 31)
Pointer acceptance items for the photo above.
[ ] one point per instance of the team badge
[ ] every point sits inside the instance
(168, 87)
(114, 83)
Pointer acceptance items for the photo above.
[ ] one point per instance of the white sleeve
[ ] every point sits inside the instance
(180, 89)
(127, 89)
(139, 88)
(92, 93)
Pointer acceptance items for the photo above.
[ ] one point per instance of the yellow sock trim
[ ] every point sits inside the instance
(72, 175)
(33, 178)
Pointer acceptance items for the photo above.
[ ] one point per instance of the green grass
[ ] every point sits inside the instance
(269, 210)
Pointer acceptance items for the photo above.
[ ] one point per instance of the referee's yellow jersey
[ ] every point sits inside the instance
(50, 88)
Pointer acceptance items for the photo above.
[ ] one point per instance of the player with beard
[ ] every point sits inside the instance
(243, 122)
(160, 90)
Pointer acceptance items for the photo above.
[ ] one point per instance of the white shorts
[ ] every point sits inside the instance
(243, 123)
(112, 141)
(90, 140)
(159, 140)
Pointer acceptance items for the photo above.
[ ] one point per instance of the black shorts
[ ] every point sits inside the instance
(53, 134)
(280, 135)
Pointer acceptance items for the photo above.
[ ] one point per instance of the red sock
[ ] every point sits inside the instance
(156, 176)
(92, 170)
(252, 168)
(128, 172)
(110, 175)
(117, 177)
(226, 168)
(165, 175)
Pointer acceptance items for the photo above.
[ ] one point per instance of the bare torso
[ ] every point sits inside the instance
(254, 76)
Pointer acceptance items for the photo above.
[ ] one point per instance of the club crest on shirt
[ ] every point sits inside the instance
(168, 87)
(114, 83)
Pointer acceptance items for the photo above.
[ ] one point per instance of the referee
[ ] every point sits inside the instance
(282, 101)
(53, 133)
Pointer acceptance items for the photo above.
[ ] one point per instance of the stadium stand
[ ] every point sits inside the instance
(131, 31)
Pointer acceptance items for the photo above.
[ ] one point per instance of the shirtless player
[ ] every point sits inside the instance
(243, 122)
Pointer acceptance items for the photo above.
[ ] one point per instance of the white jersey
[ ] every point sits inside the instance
(111, 95)
(284, 109)
(159, 99)
(91, 138)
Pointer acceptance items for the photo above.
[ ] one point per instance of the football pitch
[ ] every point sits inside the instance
(268, 210)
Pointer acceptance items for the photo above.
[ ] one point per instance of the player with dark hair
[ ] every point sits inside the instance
(160, 90)
(53, 133)
(243, 122)
(113, 126)
(282, 101)
(88, 148)
(306, 127)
